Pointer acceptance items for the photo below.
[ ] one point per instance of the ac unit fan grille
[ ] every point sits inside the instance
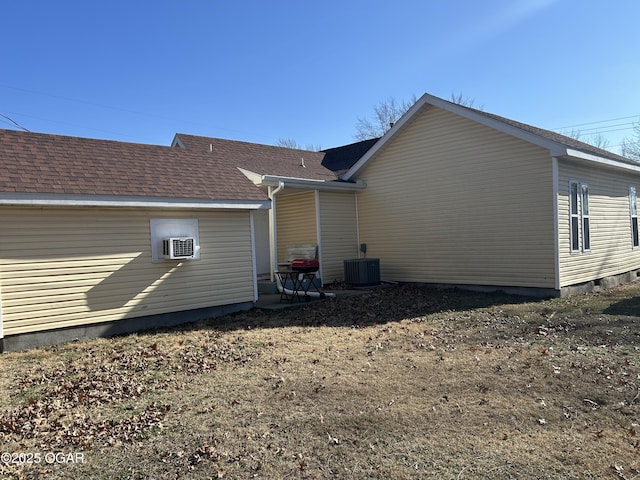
(362, 272)
(183, 248)
(178, 247)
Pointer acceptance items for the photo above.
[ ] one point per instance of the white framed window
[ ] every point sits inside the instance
(574, 220)
(584, 210)
(633, 211)
(579, 218)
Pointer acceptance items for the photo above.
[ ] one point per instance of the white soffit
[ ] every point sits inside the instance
(53, 200)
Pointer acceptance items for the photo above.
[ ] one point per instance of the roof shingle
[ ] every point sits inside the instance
(557, 137)
(341, 159)
(53, 164)
(261, 159)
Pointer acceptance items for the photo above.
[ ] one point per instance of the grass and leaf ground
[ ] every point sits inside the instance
(399, 383)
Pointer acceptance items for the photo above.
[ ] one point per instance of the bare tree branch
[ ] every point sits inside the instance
(385, 115)
(463, 100)
(292, 143)
(631, 145)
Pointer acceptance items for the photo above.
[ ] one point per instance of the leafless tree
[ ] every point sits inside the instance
(463, 100)
(597, 140)
(385, 115)
(291, 143)
(575, 134)
(287, 143)
(600, 141)
(631, 145)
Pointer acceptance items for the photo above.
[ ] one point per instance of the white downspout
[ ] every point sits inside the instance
(253, 256)
(358, 253)
(273, 234)
(319, 235)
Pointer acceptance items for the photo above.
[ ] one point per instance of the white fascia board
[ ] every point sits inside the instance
(602, 161)
(53, 200)
(555, 149)
(326, 185)
(176, 142)
(256, 178)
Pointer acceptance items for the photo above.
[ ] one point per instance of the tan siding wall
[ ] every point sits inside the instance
(611, 248)
(453, 201)
(339, 233)
(70, 267)
(295, 221)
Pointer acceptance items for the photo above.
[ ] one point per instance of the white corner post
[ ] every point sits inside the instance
(556, 219)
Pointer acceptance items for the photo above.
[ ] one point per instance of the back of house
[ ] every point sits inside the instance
(458, 196)
(84, 221)
(103, 237)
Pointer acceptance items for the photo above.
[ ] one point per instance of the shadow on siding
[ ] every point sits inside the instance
(137, 279)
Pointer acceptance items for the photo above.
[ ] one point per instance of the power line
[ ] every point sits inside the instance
(599, 121)
(597, 131)
(15, 123)
(125, 110)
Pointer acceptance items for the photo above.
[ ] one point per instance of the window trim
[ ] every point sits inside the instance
(574, 218)
(633, 217)
(584, 216)
(579, 217)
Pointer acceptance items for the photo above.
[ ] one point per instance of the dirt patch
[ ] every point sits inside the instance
(405, 382)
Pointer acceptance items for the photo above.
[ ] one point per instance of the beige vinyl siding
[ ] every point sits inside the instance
(611, 252)
(295, 221)
(449, 200)
(71, 267)
(338, 233)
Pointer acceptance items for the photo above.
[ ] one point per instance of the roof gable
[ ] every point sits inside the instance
(43, 164)
(558, 145)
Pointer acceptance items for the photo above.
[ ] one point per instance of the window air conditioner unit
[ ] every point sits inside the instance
(178, 248)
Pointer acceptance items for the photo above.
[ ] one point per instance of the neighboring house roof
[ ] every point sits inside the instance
(46, 167)
(558, 145)
(259, 159)
(341, 159)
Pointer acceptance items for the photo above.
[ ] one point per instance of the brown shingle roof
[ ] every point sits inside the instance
(53, 164)
(261, 159)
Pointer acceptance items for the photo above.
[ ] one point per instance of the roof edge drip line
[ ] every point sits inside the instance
(53, 200)
(334, 185)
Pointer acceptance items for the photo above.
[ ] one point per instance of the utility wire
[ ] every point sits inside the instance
(597, 131)
(15, 123)
(600, 121)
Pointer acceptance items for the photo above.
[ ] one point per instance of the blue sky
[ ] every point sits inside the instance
(258, 71)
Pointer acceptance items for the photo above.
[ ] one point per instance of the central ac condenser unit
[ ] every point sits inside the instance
(362, 271)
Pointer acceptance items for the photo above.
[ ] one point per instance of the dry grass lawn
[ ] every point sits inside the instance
(399, 383)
